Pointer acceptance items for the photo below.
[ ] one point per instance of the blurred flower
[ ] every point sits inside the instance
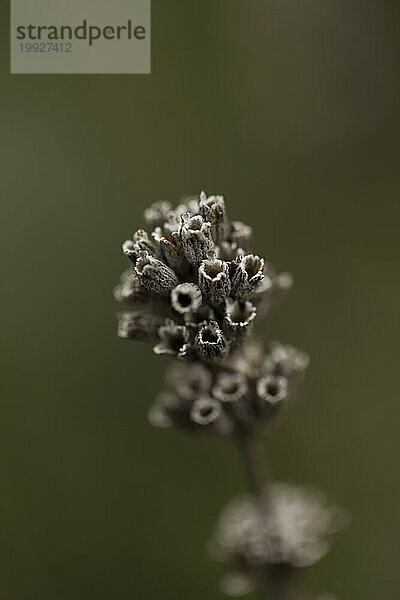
(291, 529)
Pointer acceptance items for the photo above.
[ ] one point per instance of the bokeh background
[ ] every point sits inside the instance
(291, 110)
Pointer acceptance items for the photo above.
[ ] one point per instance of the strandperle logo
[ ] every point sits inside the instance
(85, 31)
(71, 36)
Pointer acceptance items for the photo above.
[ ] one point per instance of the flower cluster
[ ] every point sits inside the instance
(195, 289)
(195, 272)
(238, 396)
(198, 289)
(288, 529)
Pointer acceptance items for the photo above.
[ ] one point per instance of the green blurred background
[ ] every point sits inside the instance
(291, 110)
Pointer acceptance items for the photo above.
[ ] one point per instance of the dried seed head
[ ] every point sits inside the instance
(239, 316)
(247, 275)
(196, 240)
(210, 341)
(186, 298)
(138, 326)
(154, 275)
(213, 210)
(214, 280)
(191, 381)
(230, 387)
(241, 234)
(157, 214)
(272, 390)
(174, 339)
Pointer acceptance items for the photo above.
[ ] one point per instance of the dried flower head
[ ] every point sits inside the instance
(192, 270)
(291, 530)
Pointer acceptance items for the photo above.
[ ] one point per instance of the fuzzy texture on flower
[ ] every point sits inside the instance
(291, 531)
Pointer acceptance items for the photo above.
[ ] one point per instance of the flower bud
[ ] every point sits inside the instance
(213, 210)
(154, 275)
(247, 275)
(214, 280)
(196, 240)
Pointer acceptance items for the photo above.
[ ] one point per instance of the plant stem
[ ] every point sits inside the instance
(256, 466)
(260, 477)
